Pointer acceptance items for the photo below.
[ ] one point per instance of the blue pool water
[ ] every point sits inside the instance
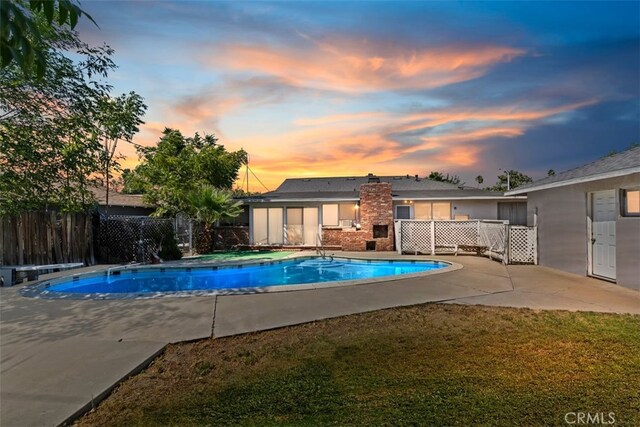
(300, 271)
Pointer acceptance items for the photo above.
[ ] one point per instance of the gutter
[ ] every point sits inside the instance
(572, 181)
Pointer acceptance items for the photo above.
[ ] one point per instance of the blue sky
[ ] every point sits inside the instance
(347, 88)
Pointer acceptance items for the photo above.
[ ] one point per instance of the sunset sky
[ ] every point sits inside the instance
(331, 88)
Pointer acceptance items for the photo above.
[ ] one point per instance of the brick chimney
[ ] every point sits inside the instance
(376, 215)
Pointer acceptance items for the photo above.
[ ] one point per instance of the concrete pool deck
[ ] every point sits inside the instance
(58, 355)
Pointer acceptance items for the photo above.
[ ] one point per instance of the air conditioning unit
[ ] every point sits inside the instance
(346, 223)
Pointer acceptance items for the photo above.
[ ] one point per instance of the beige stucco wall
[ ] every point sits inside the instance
(562, 229)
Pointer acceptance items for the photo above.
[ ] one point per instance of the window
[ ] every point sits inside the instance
(425, 211)
(422, 210)
(403, 212)
(441, 210)
(267, 226)
(339, 214)
(347, 211)
(330, 215)
(631, 205)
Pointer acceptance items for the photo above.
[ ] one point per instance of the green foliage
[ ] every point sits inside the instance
(21, 34)
(52, 128)
(551, 172)
(208, 204)
(171, 172)
(119, 119)
(168, 245)
(515, 180)
(479, 180)
(438, 176)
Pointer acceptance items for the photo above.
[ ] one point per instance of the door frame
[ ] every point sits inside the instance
(406, 205)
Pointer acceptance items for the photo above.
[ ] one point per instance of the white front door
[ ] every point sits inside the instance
(603, 236)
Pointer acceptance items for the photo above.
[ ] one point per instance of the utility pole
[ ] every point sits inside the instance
(508, 172)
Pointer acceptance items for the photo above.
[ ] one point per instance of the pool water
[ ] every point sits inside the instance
(290, 272)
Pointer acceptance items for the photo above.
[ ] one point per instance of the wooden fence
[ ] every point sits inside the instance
(46, 238)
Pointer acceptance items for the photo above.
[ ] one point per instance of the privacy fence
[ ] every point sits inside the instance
(497, 239)
(46, 238)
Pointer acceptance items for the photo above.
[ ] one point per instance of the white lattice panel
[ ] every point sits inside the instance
(450, 233)
(416, 236)
(522, 245)
(424, 236)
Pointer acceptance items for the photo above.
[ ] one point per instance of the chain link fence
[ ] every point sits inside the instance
(124, 239)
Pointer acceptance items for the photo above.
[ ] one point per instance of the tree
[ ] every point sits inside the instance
(177, 166)
(119, 119)
(207, 205)
(513, 178)
(438, 176)
(479, 180)
(49, 129)
(21, 39)
(52, 128)
(551, 172)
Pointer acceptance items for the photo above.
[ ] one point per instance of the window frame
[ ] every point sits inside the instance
(623, 203)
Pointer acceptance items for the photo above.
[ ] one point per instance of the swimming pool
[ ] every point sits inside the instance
(297, 273)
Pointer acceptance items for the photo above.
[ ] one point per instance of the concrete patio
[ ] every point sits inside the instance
(58, 355)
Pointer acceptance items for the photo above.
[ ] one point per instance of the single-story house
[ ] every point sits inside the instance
(357, 212)
(119, 203)
(588, 218)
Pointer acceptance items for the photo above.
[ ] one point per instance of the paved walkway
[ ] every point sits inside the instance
(58, 355)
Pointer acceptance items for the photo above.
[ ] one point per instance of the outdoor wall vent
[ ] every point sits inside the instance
(371, 245)
(380, 231)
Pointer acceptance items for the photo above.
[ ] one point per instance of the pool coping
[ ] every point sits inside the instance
(39, 288)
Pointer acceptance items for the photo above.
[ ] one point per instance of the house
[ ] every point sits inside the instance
(119, 203)
(357, 213)
(588, 218)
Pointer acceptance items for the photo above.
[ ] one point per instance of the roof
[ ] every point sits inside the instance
(353, 183)
(348, 189)
(117, 199)
(624, 163)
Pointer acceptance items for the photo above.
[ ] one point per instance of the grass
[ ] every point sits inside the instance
(423, 365)
(242, 256)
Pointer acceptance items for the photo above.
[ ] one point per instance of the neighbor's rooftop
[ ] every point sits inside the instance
(619, 164)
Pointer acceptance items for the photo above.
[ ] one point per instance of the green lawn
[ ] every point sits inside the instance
(241, 256)
(423, 365)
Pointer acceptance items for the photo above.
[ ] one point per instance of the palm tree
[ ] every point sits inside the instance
(207, 205)
(479, 180)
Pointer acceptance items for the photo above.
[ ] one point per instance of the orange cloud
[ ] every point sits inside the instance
(350, 66)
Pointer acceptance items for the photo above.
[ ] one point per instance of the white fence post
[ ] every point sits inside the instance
(433, 237)
(397, 231)
(535, 244)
